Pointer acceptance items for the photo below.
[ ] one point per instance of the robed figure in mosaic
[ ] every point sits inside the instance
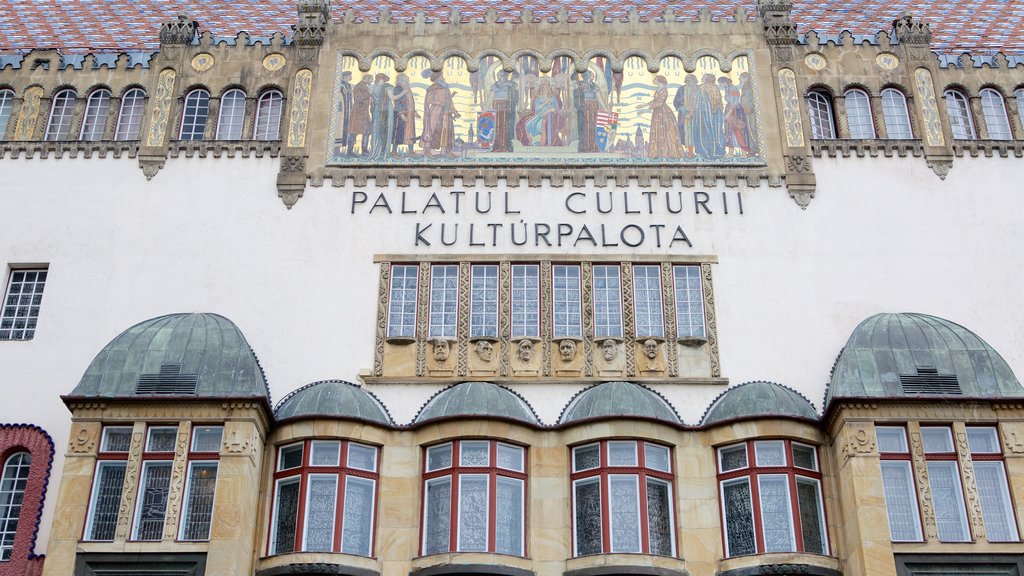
(542, 124)
(360, 120)
(503, 99)
(685, 103)
(586, 99)
(381, 118)
(708, 117)
(737, 136)
(664, 141)
(403, 115)
(439, 116)
(344, 138)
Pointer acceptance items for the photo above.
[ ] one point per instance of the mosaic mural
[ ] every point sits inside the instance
(708, 115)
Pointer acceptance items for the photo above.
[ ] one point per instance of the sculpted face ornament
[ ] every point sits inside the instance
(651, 348)
(525, 351)
(610, 348)
(441, 350)
(485, 350)
(567, 348)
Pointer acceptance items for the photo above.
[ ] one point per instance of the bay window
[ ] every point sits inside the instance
(622, 498)
(324, 498)
(771, 499)
(993, 489)
(105, 500)
(898, 484)
(474, 498)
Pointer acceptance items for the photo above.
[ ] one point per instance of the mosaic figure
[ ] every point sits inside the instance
(439, 117)
(360, 119)
(685, 103)
(708, 115)
(586, 100)
(737, 136)
(404, 115)
(664, 130)
(542, 125)
(343, 139)
(503, 100)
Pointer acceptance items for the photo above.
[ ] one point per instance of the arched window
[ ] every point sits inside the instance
(325, 494)
(959, 110)
(232, 115)
(622, 489)
(1018, 95)
(994, 109)
(6, 104)
(193, 117)
(129, 118)
(12, 493)
(770, 493)
(858, 115)
(897, 117)
(59, 124)
(819, 108)
(268, 116)
(94, 123)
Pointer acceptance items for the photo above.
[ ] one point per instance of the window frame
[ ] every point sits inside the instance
(18, 476)
(231, 115)
(484, 325)
(821, 115)
(948, 458)
(690, 329)
(642, 473)
(566, 301)
(398, 328)
(447, 324)
(269, 113)
(97, 111)
(752, 472)
(195, 114)
(654, 324)
(525, 297)
(134, 102)
(11, 312)
(903, 458)
(859, 118)
(896, 114)
(7, 97)
(997, 460)
(62, 111)
(106, 458)
(198, 458)
(303, 476)
(961, 124)
(152, 459)
(612, 297)
(993, 108)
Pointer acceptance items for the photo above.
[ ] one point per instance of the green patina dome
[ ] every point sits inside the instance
(757, 400)
(174, 356)
(618, 399)
(333, 399)
(477, 399)
(916, 355)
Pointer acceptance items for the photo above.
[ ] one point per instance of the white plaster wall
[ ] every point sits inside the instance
(882, 235)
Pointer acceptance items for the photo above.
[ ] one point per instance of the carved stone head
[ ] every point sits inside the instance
(525, 350)
(484, 350)
(441, 350)
(567, 349)
(610, 348)
(651, 348)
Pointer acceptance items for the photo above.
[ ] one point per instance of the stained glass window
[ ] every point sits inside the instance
(116, 439)
(13, 480)
(202, 481)
(689, 302)
(900, 501)
(438, 516)
(587, 521)
(289, 457)
(321, 497)
(402, 303)
(858, 115)
(607, 302)
(161, 439)
(509, 516)
(897, 117)
(622, 453)
(129, 116)
(586, 457)
(483, 309)
(94, 121)
(444, 300)
(358, 516)
(996, 506)
(659, 517)
(770, 453)
(268, 116)
(812, 520)
(739, 518)
(286, 514)
(624, 498)
(474, 453)
(232, 115)
(324, 453)
(733, 458)
(473, 496)
(950, 512)
(775, 513)
(805, 457)
(152, 506)
(525, 301)
(647, 301)
(106, 500)
(891, 439)
(566, 302)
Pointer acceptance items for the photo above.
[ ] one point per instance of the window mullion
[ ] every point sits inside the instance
(755, 498)
(644, 520)
(492, 505)
(453, 532)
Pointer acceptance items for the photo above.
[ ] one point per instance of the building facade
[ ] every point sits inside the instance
(521, 290)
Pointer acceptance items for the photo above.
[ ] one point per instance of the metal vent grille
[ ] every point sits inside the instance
(929, 381)
(169, 381)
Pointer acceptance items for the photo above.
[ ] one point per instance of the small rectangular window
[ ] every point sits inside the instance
(444, 300)
(937, 440)
(657, 457)
(770, 453)
(199, 491)
(161, 438)
(566, 302)
(607, 302)
(622, 454)
(647, 301)
(474, 453)
(586, 457)
(324, 453)
(362, 457)
(805, 457)
(689, 302)
(983, 440)
(891, 439)
(510, 457)
(116, 439)
(20, 310)
(321, 501)
(732, 458)
(439, 457)
(106, 500)
(402, 302)
(286, 514)
(289, 457)
(207, 438)
(483, 315)
(525, 301)
(151, 510)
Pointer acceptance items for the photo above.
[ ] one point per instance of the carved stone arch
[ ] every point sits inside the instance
(363, 62)
(862, 87)
(471, 64)
(819, 86)
(732, 56)
(564, 52)
(416, 53)
(64, 86)
(993, 86)
(652, 66)
(97, 86)
(672, 53)
(907, 91)
(388, 53)
(196, 86)
(228, 87)
(131, 86)
(515, 56)
(507, 64)
(958, 86)
(608, 55)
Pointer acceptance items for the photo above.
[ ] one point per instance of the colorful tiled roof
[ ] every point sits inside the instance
(977, 26)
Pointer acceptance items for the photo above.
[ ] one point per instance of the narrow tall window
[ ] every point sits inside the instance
(6, 105)
(858, 115)
(129, 117)
(444, 300)
(689, 302)
(993, 489)
(959, 111)
(819, 110)
(647, 301)
(402, 301)
(232, 115)
(607, 302)
(565, 302)
(13, 481)
(897, 117)
(59, 125)
(898, 484)
(194, 115)
(944, 480)
(94, 123)
(324, 498)
(994, 109)
(622, 489)
(483, 311)
(21, 304)
(268, 116)
(201, 482)
(154, 488)
(525, 301)
(108, 483)
(1018, 95)
(483, 482)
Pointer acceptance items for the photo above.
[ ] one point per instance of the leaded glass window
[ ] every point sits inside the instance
(194, 114)
(13, 481)
(805, 457)
(776, 513)
(812, 515)
(819, 111)
(607, 302)
(733, 458)
(129, 116)
(198, 508)
(689, 302)
(996, 506)
(402, 303)
(624, 498)
(961, 122)
(896, 114)
(362, 457)
(659, 516)
(286, 516)
(437, 517)
(473, 501)
(587, 517)
(232, 115)
(152, 504)
(647, 301)
(321, 498)
(739, 518)
(444, 300)
(950, 512)
(94, 121)
(509, 516)
(116, 439)
(324, 453)
(6, 105)
(525, 301)
(566, 302)
(901, 501)
(58, 127)
(358, 516)
(268, 116)
(21, 304)
(106, 500)
(207, 438)
(483, 308)
(858, 115)
(161, 439)
(770, 453)
(996, 120)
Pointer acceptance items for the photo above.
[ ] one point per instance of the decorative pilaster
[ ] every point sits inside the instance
(963, 454)
(587, 290)
(312, 27)
(382, 320)
(422, 319)
(131, 482)
(463, 331)
(924, 490)
(712, 322)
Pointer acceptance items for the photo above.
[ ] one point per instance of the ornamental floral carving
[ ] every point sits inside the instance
(83, 439)
(131, 480)
(924, 490)
(858, 440)
(177, 485)
(963, 450)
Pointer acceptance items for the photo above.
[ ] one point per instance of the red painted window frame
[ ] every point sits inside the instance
(950, 456)
(642, 472)
(149, 456)
(36, 441)
(105, 456)
(492, 471)
(303, 472)
(194, 456)
(791, 471)
(998, 457)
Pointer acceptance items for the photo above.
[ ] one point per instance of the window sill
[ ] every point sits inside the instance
(319, 563)
(758, 564)
(470, 564)
(635, 564)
